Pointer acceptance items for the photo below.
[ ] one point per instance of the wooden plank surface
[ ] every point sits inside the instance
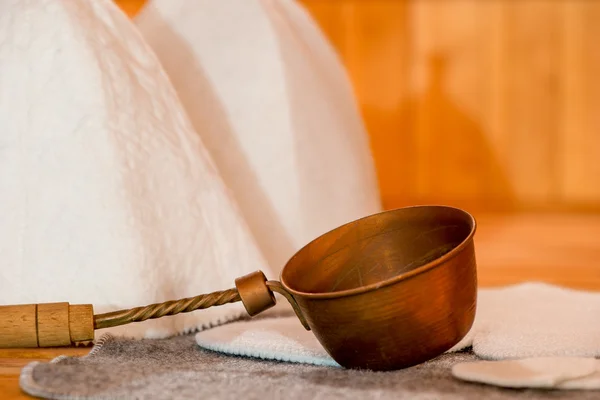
(562, 249)
(13, 360)
(485, 104)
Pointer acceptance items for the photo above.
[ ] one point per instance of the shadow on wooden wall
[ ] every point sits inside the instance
(455, 163)
(490, 105)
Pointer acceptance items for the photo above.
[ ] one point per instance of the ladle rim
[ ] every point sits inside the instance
(405, 276)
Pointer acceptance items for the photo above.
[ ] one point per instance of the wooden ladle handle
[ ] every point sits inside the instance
(63, 324)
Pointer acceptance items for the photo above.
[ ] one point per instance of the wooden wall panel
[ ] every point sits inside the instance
(580, 141)
(457, 97)
(380, 33)
(498, 102)
(533, 94)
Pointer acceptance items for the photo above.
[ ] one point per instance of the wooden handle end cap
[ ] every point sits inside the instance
(45, 325)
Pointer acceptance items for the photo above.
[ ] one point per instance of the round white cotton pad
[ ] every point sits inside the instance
(589, 382)
(541, 372)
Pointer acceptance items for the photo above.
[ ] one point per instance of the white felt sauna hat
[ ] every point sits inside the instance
(272, 103)
(111, 197)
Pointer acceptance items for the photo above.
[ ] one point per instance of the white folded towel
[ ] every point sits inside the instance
(520, 321)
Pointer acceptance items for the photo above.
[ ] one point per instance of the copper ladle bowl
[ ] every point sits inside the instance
(391, 290)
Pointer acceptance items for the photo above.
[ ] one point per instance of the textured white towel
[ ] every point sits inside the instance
(271, 101)
(107, 194)
(535, 320)
(526, 320)
(111, 197)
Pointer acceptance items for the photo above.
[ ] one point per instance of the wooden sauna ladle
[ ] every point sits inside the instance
(64, 324)
(384, 292)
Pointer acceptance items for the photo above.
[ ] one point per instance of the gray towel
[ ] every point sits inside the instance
(177, 368)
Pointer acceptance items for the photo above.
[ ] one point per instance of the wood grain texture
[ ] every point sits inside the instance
(53, 324)
(13, 360)
(484, 105)
(556, 248)
(81, 322)
(18, 325)
(580, 141)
